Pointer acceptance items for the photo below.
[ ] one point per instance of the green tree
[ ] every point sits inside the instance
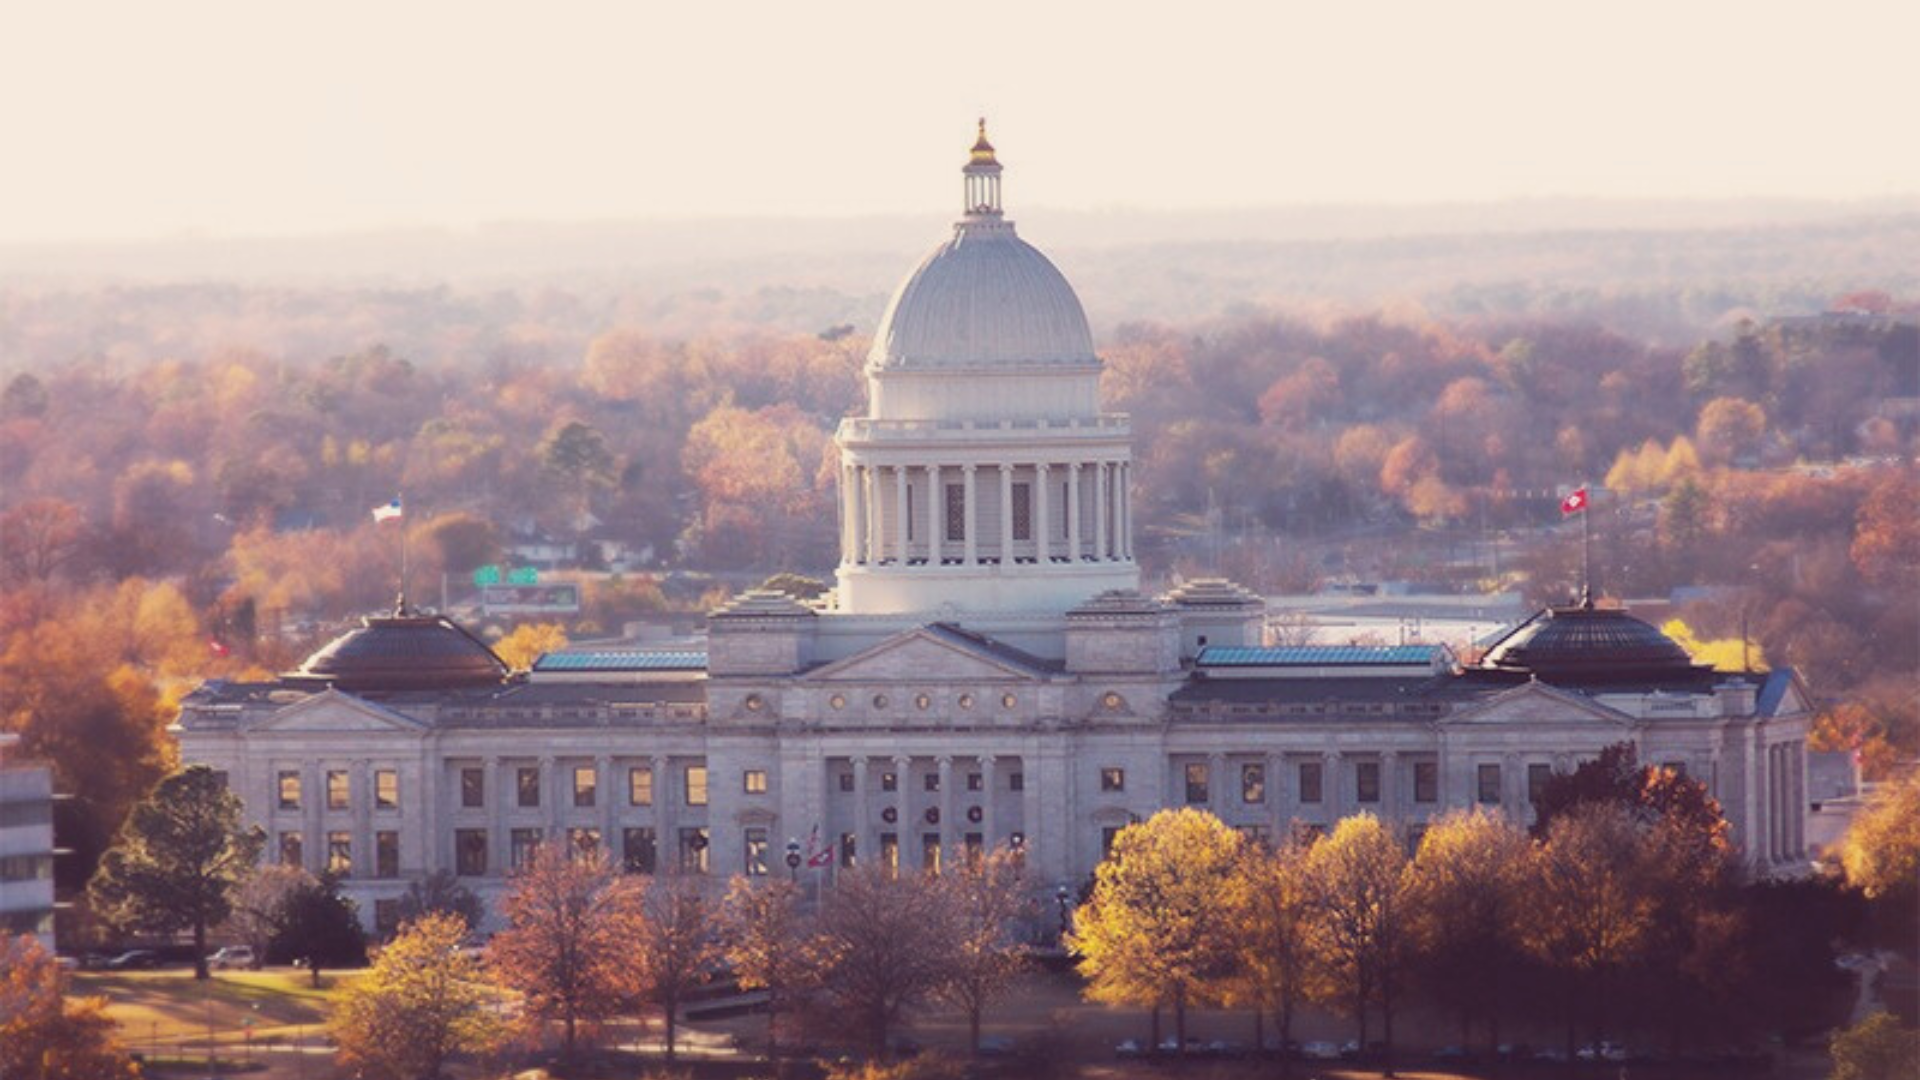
(1877, 1048)
(319, 928)
(423, 1002)
(578, 453)
(178, 860)
(575, 939)
(46, 1034)
(1159, 928)
(1358, 928)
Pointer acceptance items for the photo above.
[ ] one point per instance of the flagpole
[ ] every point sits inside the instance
(1586, 548)
(405, 567)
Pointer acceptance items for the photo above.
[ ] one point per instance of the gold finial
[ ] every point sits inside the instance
(982, 149)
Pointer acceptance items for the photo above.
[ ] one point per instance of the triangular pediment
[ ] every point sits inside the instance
(331, 712)
(930, 654)
(1535, 704)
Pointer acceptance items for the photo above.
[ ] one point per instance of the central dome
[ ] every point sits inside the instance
(984, 299)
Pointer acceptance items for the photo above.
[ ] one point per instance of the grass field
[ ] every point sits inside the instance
(167, 1012)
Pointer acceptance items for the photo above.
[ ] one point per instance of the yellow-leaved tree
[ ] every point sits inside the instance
(1358, 927)
(423, 1001)
(529, 642)
(1160, 928)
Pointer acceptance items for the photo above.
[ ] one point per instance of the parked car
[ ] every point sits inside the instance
(1320, 1051)
(231, 956)
(134, 960)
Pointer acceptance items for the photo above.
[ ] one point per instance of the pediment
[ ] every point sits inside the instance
(333, 712)
(929, 654)
(1535, 704)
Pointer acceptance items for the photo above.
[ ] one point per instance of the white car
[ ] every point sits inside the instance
(231, 956)
(1320, 1051)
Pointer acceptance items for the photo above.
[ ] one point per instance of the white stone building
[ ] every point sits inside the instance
(986, 672)
(26, 845)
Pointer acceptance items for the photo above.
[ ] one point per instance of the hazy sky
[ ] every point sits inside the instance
(147, 119)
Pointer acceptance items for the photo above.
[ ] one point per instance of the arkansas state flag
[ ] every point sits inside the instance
(217, 647)
(1575, 502)
(817, 856)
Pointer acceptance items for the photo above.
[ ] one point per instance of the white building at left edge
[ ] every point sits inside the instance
(26, 845)
(986, 671)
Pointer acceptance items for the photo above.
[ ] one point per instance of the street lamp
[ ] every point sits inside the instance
(1061, 897)
(793, 858)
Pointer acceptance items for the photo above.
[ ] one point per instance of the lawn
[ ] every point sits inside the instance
(167, 1011)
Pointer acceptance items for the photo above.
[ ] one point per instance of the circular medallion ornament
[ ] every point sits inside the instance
(923, 702)
(889, 815)
(838, 701)
(1008, 701)
(754, 704)
(966, 701)
(1113, 702)
(933, 815)
(880, 701)
(975, 814)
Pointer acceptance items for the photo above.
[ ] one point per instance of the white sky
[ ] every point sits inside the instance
(154, 119)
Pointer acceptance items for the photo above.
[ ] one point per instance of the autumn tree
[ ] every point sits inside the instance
(38, 537)
(319, 928)
(578, 453)
(1358, 928)
(260, 905)
(1159, 929)
(179, 860)
(1465, 890)
(529, 642)
(1273, 924)
(1880, 855)
(1877, 1048)
(677, 944)
(984, 898)
(1729, 428)
(45, 1034)
(424, 1001)
(575, 939)
(878, 943)
(764, 938)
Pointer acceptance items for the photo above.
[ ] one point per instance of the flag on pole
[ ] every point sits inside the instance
(1575, 502)
(387, 510)
(217, 647)
(817, 856)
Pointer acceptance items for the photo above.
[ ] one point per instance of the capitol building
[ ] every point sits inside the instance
(986, 672)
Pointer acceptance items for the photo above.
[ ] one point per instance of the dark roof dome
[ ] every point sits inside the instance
(1583, 643)
(406, 651)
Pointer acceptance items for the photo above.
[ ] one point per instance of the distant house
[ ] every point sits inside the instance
(26, 845)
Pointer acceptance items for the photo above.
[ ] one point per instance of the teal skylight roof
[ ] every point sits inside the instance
(621, 660)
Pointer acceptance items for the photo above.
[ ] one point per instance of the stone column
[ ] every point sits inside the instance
(902, 521)
(666, 846)
(1513, 788)
(1030, 808)
(360, 798)
(499, 851)
(1006, 515)
(603, 792)
(1042, 537)
(550, 797)
(970, 543)
(1217, 798)
(1332, 786)
(1073, 512)
(313, 793)
(936, 499)
(903, 811)
(846, 514)
(986, 801)
(1122, 512)
(1276, 796)
(865, 850)
(1100, 511)
(1390, 787)
(1800, 800)
(949, 830)
(870, 513)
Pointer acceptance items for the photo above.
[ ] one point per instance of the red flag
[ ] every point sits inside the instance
(218, 647)
(817, 856)
(1575, 502)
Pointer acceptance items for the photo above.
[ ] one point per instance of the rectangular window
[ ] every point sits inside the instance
(292, 850)
(1112, 779)
(1017, 781)
(386, 854)
(1108, 834)
(696, 777)
(976, 845)
(930, 852)
(693, 851)
(849, 849)
(583, 842)
(1677, 768)
(1489, 777)
(1310, 782)
(1256, 835)
(754, 781)
(527, 782)
(289, 790)
(1196, 783)
(586, 785)
(889, 782)
(1253, 783)
(1023, 511)
(890, 852)
(524, 843)
(756, 851)
(1366, 781)
(1426, 781)
(640, 786)
(1537, 777)
(386, 789)
(637, 851)
(976, 782)
(340, 854)
(957, 512)
(337, 789)
(470, 852)
(473, 788)
(931, 781)
(386, 916)
(846, 781)
(1415, 834)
